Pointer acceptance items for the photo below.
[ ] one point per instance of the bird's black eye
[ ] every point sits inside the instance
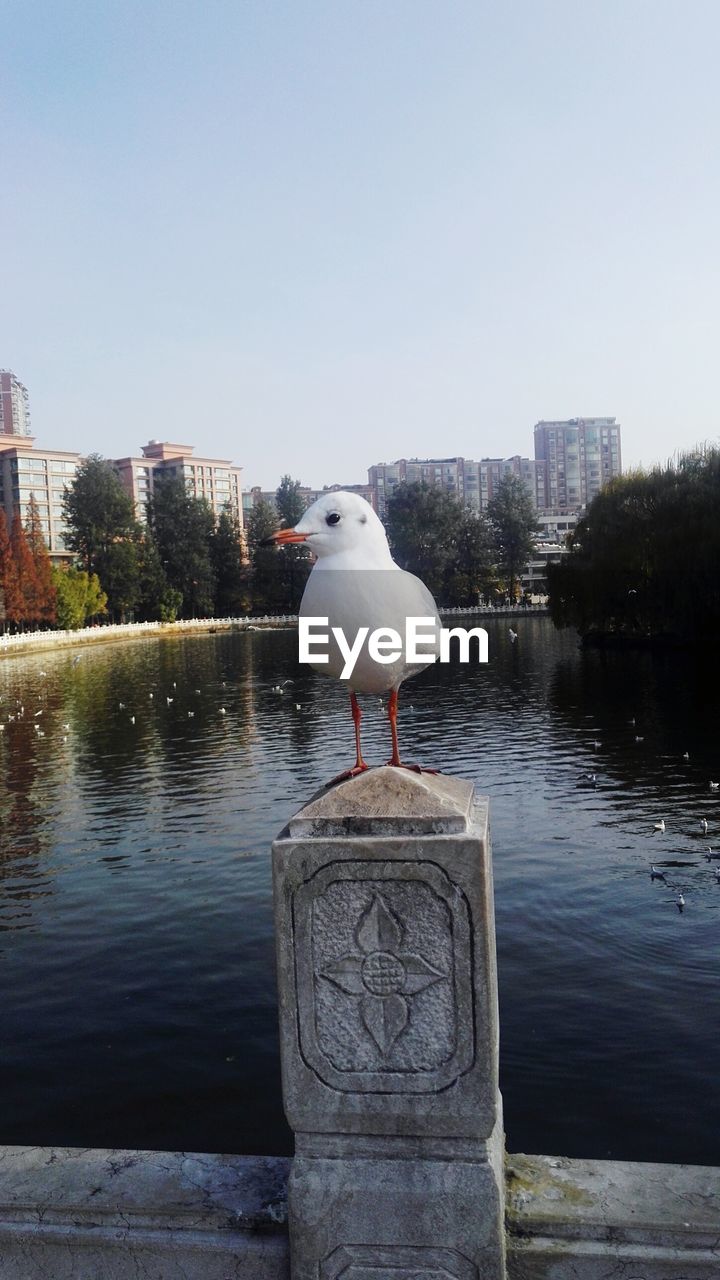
(333, 518)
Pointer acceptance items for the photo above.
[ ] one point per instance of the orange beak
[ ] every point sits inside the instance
(285, 536)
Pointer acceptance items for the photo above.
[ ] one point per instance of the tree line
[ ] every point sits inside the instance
(643, 562)
(183, 562)
(462, 555)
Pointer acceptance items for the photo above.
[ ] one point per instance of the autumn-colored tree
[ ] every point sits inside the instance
(25, 568)
(10, 595)
(45, 598)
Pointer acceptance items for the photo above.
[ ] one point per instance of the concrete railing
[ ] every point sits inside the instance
(389, 1045)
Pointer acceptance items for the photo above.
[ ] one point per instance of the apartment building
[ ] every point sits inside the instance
(252, 496)
(25, 472)
(217, 480)
(580, 455)
(472, 483)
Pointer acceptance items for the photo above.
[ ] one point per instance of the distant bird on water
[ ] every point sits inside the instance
(367, 589)
(715, 786)
(513, 635)
(704, 826)
(655, 874)
(659, 826)
(680, 902)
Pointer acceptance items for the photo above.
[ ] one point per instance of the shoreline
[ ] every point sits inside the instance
(50, 641)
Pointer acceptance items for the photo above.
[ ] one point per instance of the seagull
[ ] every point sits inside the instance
(592, 778)
(710, 855)
(121, 706)
(190, 715)
(717, 874)
(715, 786)
(132, 719)
(686, 755)
(38, 713)
(660, 826)
(356, 583)
(168, 700)
(223, 712)
(680, 902)
(704, 826)
(151, 696)
(655, 874)
(513, 635)
(638, 738)
(597, 745)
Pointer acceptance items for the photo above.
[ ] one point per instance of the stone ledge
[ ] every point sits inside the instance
(590, 1219)
(73, 1213)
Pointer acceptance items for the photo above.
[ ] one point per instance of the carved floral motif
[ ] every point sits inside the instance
(382, 974)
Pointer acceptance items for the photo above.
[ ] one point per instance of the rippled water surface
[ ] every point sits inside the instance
(137, 981)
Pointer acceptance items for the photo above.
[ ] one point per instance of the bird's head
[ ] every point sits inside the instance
(339, 522)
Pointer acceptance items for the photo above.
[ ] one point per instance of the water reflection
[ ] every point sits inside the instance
(136, 956)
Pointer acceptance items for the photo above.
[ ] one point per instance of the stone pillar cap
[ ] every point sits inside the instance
(387, 802)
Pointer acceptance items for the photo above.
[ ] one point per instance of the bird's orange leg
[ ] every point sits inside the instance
(395, 758)
(360, 766)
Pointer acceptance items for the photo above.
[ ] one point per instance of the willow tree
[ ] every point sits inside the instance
(644, 560)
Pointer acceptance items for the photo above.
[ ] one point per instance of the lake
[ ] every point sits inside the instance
(137, 982)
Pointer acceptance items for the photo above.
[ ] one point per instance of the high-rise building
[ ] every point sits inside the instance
(215, 479)
(580, 456)
(14, 408)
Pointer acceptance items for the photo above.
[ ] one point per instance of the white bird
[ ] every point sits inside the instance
(355, 583)
(597, 745)
(132, 719)
(660, 826)
(704, 826)
(151, 696)
(121, 706)
(190, 715)
(710, 855)
(38, 713)
(75, 660)
(680, 901)
(66, 727)
(638, 738)
(655, 874)
(717, 874)
(715, 786)
(513, 635)
(2, 727)
(168, 700)
(592, 778)
(223, 712)
(686, 755)
(298, 706)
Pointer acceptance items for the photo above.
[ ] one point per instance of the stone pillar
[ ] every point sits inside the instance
(389, 1032)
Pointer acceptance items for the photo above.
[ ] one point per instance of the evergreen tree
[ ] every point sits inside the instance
(26, 577)
(423, 526)
(182, 527)
(472, 572)
(44, 603)
(512, 516)
(265, 567)
(230, 573)
(11, 610)
(102, 530)
(294, 562)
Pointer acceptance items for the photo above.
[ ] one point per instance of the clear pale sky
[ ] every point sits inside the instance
(313, 236)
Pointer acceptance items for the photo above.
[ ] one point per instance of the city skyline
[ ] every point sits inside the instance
(328, 234)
